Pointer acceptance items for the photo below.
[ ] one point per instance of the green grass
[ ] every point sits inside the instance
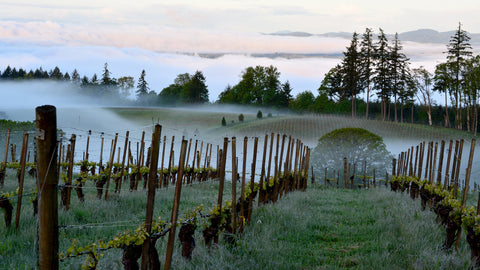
(316, 229)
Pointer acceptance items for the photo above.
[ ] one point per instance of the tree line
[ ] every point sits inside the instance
(379, 67)
(374, 67)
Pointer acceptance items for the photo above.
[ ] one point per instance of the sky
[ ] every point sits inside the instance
(150, 35)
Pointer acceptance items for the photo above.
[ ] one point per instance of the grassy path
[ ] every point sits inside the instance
(336, 229)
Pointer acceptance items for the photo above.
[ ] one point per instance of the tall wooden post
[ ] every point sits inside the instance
(252, 180)
(447, 169)
(152, 176)
(123, 161)
(23, 157)
(4, 166)
(46, 136)
(459, 161)
(262, 174)
(234, 184)
(176, 203)
(244, 173)
(110, 165)
(440, 163)
(70, 170)
(344, 172)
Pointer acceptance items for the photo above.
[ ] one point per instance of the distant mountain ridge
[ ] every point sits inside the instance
(420, 35)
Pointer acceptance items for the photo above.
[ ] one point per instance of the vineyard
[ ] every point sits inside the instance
(179, 203)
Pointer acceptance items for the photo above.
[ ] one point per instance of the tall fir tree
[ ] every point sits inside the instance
(381, 79)
(459, 50)
(351, 71)
(367, 62)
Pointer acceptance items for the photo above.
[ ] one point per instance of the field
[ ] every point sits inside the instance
(321, 228)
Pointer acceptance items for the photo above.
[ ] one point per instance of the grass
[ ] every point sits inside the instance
(317, 229)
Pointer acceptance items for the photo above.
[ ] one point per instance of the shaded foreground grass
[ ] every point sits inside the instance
(316, 229)
(330, 229)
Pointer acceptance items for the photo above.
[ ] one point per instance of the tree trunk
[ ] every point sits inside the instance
(447, 121)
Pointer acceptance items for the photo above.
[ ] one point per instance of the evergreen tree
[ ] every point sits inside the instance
(7, 73)
(367, 58)
(285, 95)
(351, 72)
(443, 83)
(142, 85)
(398, 72)
(106, 76)
(66, 77)
(459, 50)
(381, 80)
(94, 80)
(56, 74)
(75, 76)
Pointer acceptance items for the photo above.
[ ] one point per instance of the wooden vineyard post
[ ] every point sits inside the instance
(23, 157)
(454, 164)
(152, 176)
(123, 162)
(139, 160)
(459, 160)
(427, 163)
(86, 150)
(275, 172)
(447, 168)
(440, 164)
(176, 203)
(307, 163)
(434, 162)
(244, 172)
(222, 179)
(420, 160)
(416, 162)
(161, 165)
(4, 166)
(70, 170)
(394, 166)
(262, 174)
(170, 161)
(100, 167)
(252, 180)
(234, 184)
(46, 137)
(345, 172)
(270, 157)
(466, 188)
(110, 165)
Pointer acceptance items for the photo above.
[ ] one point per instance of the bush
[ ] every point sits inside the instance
(259, 114)
(269, 114)
(241, 117)
(224, 122)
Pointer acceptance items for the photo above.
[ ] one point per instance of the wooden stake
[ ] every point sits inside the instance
(440, 163)
(23, 157)
(252, 180)
(110, 165)
(123, 161)
(4, 166)
(234, 184)
(46, 127)
(262, 174)
(152, 176)
(447, 169)
(244, 172)
(176, 203)
(70, 170)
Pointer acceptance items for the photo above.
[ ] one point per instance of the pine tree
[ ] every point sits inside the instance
(367, 58)
(381, 79)
(106, 76)
(350, 70)
(75, 76)
(142, 85)
(459, 50)
(398, 71)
